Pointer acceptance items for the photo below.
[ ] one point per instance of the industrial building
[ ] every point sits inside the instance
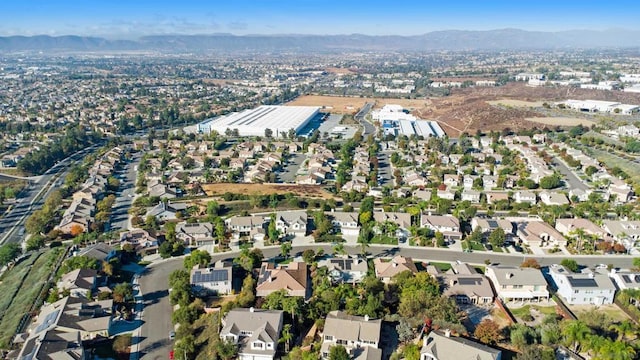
(279, 119)
(396, 121)
(595, 106)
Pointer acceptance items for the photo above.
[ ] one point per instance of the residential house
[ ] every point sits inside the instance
(495, 196)
(143, 243)
(292, 222)
(255, 331)
(345, 223)
(195, 234)
(467, 288)
(518, 284)
(625, 279)
(442, 346)
(571, 227)
(448, 225)
(489, 182)
(468, 180)
(74, 224)
(80, 283)
(360, 335)
(402, 220)
(166, 211)
(451, 180)
(99, 251)
(525, 197)
(386, 270)
(553, 198)
(488, 225)
(447, 194)
(589, 288)
(245, 226)
(472, 196)
(163, 191)
(424, 195)
(540, 234)
(293, 278)
(626, 232)
(217, 279)
(349, 269)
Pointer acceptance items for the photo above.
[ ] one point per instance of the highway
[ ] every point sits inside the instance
(154, 334)
(32, 198)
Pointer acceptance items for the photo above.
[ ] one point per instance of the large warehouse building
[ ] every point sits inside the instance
(254, 122)
(396, 121)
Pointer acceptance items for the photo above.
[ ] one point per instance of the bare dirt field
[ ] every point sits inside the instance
(561, 121)
(310, 191)
(343, 71)
(515, 103)
(351, 105)
(611, 310)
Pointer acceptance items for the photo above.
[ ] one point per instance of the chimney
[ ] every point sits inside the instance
(509, 275)
(366, 318)
(251, 309)
(453, 282)
(591, 275)
(447, 333)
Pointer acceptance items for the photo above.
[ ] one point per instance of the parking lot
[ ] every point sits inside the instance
(289, 172)
(333, 127)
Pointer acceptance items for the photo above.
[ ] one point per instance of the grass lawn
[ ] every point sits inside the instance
(38, 275)
(442, 266)
(474, 245)
(11, 280)
(526, 310)
(386, 240)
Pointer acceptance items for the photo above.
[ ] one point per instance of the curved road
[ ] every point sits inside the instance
(154, 340)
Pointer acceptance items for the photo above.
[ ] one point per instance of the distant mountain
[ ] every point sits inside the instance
(502, 39)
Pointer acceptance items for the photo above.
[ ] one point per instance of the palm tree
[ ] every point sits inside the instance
(624, 329)
(286, 337)
(575, 333)
(579, 233)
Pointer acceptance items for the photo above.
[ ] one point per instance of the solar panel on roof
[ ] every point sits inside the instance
(626, 278)
(492, 223)
(468, 281)
(582, 282)
(48, 320)
(214, 275)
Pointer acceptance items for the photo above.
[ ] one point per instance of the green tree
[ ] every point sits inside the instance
(122, 292)
(78, 262)
(338, 352)
(197, 257)
(551, 181)
(497, 237)
(286, 337)
(570, 264)
(309, 256)
(636, 263)
(226, 350)
(575, 333)
(285, 249)
(8, 252)
(522, 335)
(35, 242)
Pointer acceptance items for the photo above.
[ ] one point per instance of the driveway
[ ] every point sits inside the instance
(125, 194)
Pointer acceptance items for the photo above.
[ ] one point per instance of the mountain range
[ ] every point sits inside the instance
(502, 39)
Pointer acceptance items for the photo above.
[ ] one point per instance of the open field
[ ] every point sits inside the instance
(39, 272)
(611, 160)
(515, 103)
(310, 191)
(351, 105)
(561, 121)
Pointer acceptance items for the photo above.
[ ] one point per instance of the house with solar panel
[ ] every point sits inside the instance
(255, 331)
(62, 327)
(625, 279)
(345, 269)
(585, 288)
(217, 279)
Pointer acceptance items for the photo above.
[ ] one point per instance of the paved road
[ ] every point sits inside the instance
(368, 127)
(384, 169)
(125, 194)
(573, 182)
(12, 223)
(154, 284)
(288, 174)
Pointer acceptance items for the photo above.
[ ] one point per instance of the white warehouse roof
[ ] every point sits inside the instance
(254, 122)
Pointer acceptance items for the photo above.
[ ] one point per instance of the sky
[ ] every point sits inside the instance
(118, 19)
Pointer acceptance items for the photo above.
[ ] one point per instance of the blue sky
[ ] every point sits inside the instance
(134, 18)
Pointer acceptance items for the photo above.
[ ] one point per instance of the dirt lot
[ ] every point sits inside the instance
(470, 109)
(351, 105)
(561, 121)
(310, 191)
(515, 103)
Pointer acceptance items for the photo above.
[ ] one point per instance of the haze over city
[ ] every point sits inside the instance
(130, 19)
